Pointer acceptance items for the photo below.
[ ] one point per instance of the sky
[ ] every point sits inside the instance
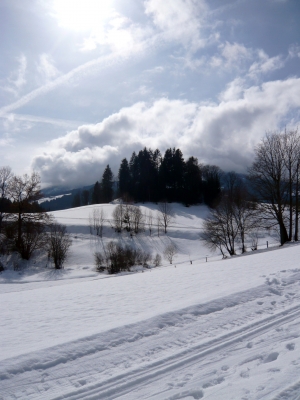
(84, 83)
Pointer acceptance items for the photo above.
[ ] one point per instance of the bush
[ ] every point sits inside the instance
(58, 245)
(118, 258)
(99, 261)
(157, 260)
(170, 252)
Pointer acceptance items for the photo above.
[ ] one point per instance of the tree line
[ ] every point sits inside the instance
(150, 177)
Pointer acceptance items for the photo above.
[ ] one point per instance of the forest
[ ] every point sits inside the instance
(150, 177)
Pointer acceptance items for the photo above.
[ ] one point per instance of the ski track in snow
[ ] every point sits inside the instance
(159, 357)
(222, 330)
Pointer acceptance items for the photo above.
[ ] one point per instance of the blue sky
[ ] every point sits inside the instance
(85, 83)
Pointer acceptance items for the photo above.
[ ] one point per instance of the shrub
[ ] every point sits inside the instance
(118, 258)
(59, 244)
(157, 260)
(170, 252)
(99, 261)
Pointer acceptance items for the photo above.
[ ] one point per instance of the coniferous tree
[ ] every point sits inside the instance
(76, 199)
(96, 193)
(107, 185)
(147, 175)
(171, 175)
(124, 178)
(192, 182)
(85, 197)
(134, 176)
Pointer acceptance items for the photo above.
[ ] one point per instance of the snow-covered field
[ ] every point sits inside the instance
(222, 329)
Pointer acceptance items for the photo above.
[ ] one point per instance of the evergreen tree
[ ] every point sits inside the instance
(192, 182)
(171, 174)
(96, 193)
(134, 176)
(85, 197)
(124, 178)
(76, 199)
(147, 175)
(107, 185)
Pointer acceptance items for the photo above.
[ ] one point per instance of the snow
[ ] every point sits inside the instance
(42, 200)
(222, 329)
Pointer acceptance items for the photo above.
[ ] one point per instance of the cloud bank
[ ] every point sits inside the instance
(223, 133)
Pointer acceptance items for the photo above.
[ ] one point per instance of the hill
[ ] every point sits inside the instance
(222, 329)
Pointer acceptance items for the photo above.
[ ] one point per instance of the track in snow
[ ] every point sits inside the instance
(122, 384)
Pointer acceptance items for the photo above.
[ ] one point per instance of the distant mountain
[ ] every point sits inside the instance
(60, 198)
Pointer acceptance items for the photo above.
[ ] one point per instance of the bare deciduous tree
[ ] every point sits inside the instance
(290, 149)
(236, 218)
(96, 221)
(221, 228)
(24, 191)
(149, 219)
(5, 177)
(244, 208)
(270, 179)
(59, 242)
(137, 219)
(170, 252)
(118, 217)
(165, 214)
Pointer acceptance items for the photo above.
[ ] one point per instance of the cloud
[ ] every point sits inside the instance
(294, 51)
(46, 67)
(103, 61)
(67, 124)
(17, 79)
(235, 52)
(222, 133)
(265, 64)
(179, 19)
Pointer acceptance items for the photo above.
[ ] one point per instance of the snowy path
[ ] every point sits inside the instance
(173, 333)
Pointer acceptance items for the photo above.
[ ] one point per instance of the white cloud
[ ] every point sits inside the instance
(100, 62)
(180, 20)
(223, 133)
(46, 67)
(17, 79)
(235, 52)
(265, 64)
(294, 51)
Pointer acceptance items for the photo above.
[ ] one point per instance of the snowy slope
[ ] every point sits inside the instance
(225, 329)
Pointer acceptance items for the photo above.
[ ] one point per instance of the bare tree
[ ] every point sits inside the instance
(170, 252)
(118, 217)
(25, 214)
(270, 180)
(244, 208)
(128, 216)
(158, 222)
(221, 228)
(149, 219)
(165, 214)
(5, 177)
(137, 219)
(33, 238)
(59, 242)
(290, 154)
(98, 219)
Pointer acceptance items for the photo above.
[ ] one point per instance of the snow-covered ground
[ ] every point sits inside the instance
(222, 329)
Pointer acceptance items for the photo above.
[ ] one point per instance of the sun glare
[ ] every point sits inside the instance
(82, 14)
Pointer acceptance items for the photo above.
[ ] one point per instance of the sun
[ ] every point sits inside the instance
(82, 15)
